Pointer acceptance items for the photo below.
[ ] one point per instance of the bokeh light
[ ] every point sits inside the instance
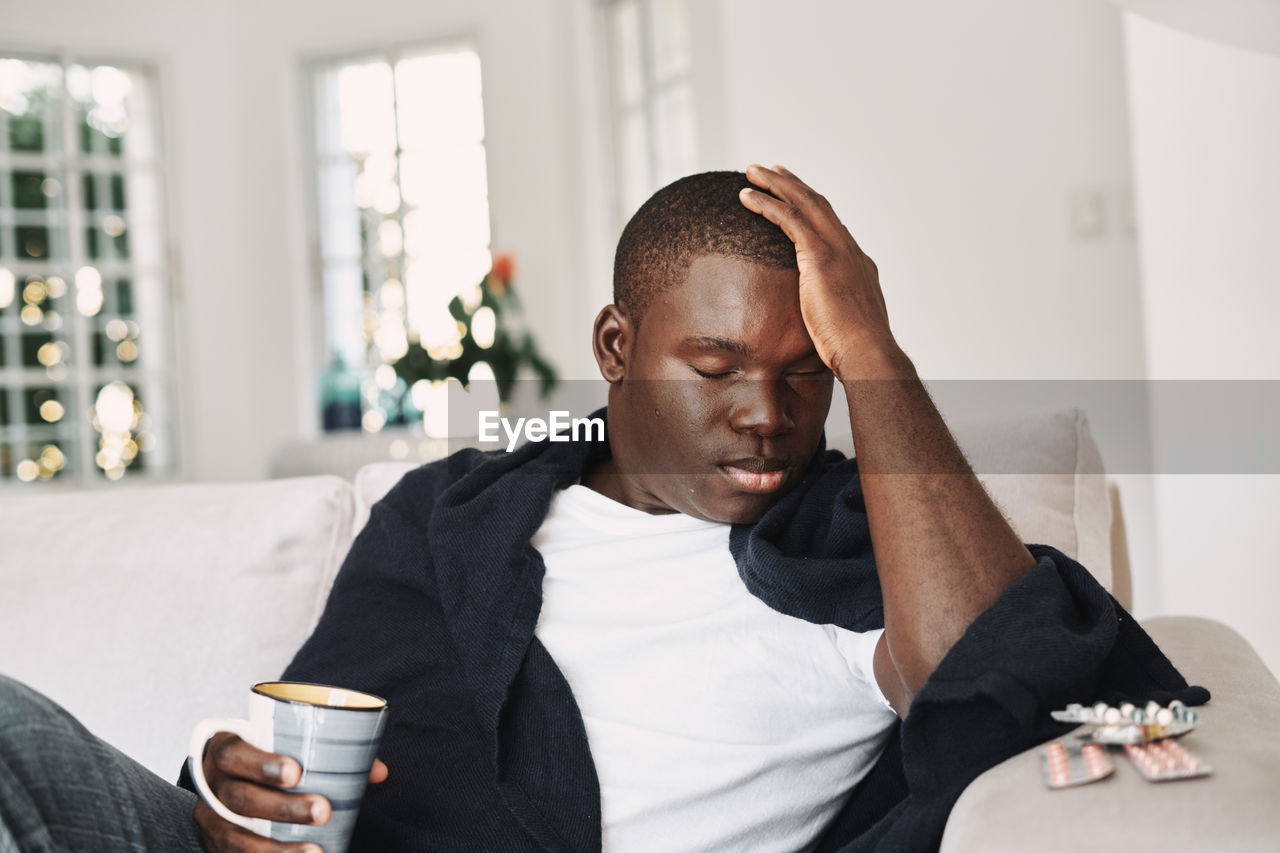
(88, 291)
(484, 325)
(51, 411)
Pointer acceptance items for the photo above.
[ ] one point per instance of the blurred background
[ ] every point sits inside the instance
(251, 238)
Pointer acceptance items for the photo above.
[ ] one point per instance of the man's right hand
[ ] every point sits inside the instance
(249, 782)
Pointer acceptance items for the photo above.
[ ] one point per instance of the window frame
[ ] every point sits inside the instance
(156, 382)
(310, 70)
(652, 87)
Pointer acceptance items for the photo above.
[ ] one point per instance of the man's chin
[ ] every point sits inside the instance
(740, 508)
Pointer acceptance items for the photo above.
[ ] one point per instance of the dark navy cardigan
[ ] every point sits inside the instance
(435, 609)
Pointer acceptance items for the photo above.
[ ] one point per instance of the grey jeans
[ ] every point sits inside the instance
(62, 790)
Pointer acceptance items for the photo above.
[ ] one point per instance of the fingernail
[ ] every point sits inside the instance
(290, 773)
(317, 812)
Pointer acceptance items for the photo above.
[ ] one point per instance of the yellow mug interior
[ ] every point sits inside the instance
(319, 694)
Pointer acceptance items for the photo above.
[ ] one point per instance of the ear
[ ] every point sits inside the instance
(611, 342)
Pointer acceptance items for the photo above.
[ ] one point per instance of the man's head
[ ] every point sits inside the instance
(717, 396)
(692, 217)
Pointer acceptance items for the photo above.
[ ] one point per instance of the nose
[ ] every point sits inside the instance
(761, 406)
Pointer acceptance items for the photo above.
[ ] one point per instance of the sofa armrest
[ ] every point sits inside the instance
(1008, 808)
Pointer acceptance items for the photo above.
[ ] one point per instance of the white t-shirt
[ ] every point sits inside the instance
(715, 723)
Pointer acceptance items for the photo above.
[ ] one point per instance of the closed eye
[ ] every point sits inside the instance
(705, 375)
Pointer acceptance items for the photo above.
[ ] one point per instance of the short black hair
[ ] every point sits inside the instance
(694, 216)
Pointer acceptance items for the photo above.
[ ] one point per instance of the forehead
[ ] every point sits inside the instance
(732, 299)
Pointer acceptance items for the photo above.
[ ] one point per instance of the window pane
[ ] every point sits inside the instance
(124, 297)
(107, 239)
(39, 242)
(102, 98)
(114, 342)
(365, 101)
(438, 100)
(44, 349)
(30, 92)
(38, 405)
(29, 190)
(117, 191)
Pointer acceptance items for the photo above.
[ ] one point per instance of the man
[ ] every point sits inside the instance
(681, 639)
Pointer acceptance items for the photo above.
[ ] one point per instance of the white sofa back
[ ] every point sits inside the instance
(142, 611)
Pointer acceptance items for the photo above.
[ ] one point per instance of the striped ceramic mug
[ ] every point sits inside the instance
(333, 734)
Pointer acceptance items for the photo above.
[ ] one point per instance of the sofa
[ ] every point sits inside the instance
(142, 610)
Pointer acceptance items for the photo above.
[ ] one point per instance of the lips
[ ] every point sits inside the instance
(756, 474)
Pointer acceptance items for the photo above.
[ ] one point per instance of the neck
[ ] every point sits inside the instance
(606, 478)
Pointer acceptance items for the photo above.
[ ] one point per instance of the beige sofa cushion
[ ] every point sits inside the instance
(1043, 469)
(144, 610)
(372, 482)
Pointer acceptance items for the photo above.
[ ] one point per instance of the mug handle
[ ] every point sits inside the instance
(200, 735)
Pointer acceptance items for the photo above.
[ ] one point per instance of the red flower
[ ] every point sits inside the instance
(502, 273)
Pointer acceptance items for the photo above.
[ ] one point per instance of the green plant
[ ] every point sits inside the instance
(509, 349)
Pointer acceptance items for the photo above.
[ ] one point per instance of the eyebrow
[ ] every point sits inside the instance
(711, 342)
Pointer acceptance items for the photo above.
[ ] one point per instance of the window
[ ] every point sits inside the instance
(403, 213)
(82, 273)
(651, 84)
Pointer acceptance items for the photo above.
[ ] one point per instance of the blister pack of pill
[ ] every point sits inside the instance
(1065, 765)
(1128, 723)
(1165, 760)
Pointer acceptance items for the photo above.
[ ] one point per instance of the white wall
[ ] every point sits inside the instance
(1206, 132)
(951, 137)
(957, 141)
(235, 97)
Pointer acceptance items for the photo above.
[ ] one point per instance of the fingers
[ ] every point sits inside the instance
(253, 800)
(781, 182)
(223, 837)
(802, 213)
(379, 772)
(785, 215)
(232, 757)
